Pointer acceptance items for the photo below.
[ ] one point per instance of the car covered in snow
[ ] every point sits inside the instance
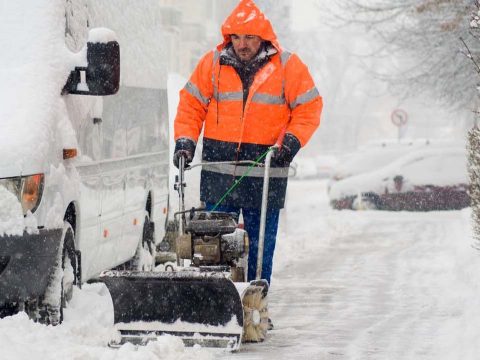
(422, 180)
(319, 167)
(304, 168)
(326, 165)
(377, 154)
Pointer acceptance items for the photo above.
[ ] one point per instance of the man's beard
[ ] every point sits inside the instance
(245, 54)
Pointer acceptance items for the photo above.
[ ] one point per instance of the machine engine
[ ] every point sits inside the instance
(213, 239)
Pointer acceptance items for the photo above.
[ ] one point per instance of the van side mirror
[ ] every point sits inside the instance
(101, 76)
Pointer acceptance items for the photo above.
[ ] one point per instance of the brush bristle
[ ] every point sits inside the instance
(254, 300)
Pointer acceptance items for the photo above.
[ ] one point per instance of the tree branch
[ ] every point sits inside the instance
(470, 56)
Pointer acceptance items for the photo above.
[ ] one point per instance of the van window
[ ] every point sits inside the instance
(142, 114)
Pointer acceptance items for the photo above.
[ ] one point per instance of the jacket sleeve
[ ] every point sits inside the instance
(194, 100)
(304, 100)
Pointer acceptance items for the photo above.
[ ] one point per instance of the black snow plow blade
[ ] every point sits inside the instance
(200, 308)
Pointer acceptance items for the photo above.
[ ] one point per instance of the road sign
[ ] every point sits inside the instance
(399, 117)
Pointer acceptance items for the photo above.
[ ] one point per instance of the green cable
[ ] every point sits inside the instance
(237, 182)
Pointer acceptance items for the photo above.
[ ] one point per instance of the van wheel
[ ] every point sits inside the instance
(144, 259)
(59, 291)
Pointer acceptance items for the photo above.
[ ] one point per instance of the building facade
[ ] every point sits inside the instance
(194, 27)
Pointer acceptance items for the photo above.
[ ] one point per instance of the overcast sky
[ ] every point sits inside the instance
(304, 15)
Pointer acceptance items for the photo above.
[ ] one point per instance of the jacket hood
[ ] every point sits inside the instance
(248, 19)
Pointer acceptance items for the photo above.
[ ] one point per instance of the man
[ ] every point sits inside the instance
(247, 94)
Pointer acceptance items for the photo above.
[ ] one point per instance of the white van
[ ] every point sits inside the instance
(83, 148)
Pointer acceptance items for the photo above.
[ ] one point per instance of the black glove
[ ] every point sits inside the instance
(285, 154)
(184, 147)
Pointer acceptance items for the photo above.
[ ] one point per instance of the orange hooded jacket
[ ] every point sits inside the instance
(282, 98)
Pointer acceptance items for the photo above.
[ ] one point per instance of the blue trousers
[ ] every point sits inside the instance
(251, 219)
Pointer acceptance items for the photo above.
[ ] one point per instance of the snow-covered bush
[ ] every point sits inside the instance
(474, 134)
(474, 175)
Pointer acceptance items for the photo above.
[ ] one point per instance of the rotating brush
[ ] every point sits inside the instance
(255, 312)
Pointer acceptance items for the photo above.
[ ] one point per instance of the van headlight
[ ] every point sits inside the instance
(28, 190)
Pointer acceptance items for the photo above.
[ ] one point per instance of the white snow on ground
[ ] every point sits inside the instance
(346, 285)
(371, 285)
(84, 335)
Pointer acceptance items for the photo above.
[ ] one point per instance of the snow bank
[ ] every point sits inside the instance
(85, 333)
(459, 333)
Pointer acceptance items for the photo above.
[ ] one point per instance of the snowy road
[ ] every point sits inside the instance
(346, 285)
(371, 285)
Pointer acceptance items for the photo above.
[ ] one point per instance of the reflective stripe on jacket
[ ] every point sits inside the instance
(282, 97)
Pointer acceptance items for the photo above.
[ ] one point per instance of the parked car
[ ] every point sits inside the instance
(326, 165)
(423, 180)
(318, 167)
(304, 168)
(378, 154)
(373, 156)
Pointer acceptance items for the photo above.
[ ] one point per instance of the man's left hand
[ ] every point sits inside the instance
(284, 155)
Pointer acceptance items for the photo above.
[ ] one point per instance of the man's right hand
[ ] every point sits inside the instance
(185, 148)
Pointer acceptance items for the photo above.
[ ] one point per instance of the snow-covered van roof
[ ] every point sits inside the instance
(32, 74)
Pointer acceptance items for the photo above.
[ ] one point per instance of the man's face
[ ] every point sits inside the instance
(246, 46)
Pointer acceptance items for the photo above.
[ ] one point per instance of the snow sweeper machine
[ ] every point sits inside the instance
(209, 302)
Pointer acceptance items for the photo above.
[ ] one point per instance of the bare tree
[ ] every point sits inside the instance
(428, 34)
